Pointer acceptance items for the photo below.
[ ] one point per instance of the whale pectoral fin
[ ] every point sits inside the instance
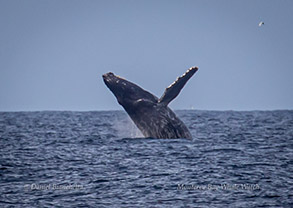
(174, 89)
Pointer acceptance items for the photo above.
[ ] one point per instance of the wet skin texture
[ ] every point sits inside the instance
(150, 114)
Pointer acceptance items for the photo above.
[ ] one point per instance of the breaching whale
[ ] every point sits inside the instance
(150, 114)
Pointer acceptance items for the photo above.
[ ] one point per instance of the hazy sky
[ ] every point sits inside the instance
(53, 52)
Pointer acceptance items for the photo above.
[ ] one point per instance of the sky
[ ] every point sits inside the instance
(53, 52)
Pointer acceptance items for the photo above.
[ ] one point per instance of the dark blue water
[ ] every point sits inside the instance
(76, 159)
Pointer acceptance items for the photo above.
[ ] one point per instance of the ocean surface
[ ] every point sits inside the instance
(100, 159)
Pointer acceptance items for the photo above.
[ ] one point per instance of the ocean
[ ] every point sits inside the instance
(100, 159)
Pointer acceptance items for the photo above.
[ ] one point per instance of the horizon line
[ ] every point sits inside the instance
(105, 110)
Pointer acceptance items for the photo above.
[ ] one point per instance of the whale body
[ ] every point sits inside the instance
(150, 114)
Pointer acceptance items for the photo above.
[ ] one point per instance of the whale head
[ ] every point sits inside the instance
(126, 93)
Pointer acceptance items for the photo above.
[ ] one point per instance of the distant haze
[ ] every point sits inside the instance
(53, 52)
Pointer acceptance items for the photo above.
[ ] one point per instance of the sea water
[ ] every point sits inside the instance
(100, 159)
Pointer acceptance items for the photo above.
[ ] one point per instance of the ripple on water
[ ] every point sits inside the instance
(248, 153)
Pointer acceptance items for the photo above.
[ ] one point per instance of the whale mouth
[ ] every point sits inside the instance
(108, 77)
(111, 77)
(113, 81)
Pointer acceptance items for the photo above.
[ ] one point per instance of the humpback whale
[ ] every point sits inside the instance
(151, 114)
